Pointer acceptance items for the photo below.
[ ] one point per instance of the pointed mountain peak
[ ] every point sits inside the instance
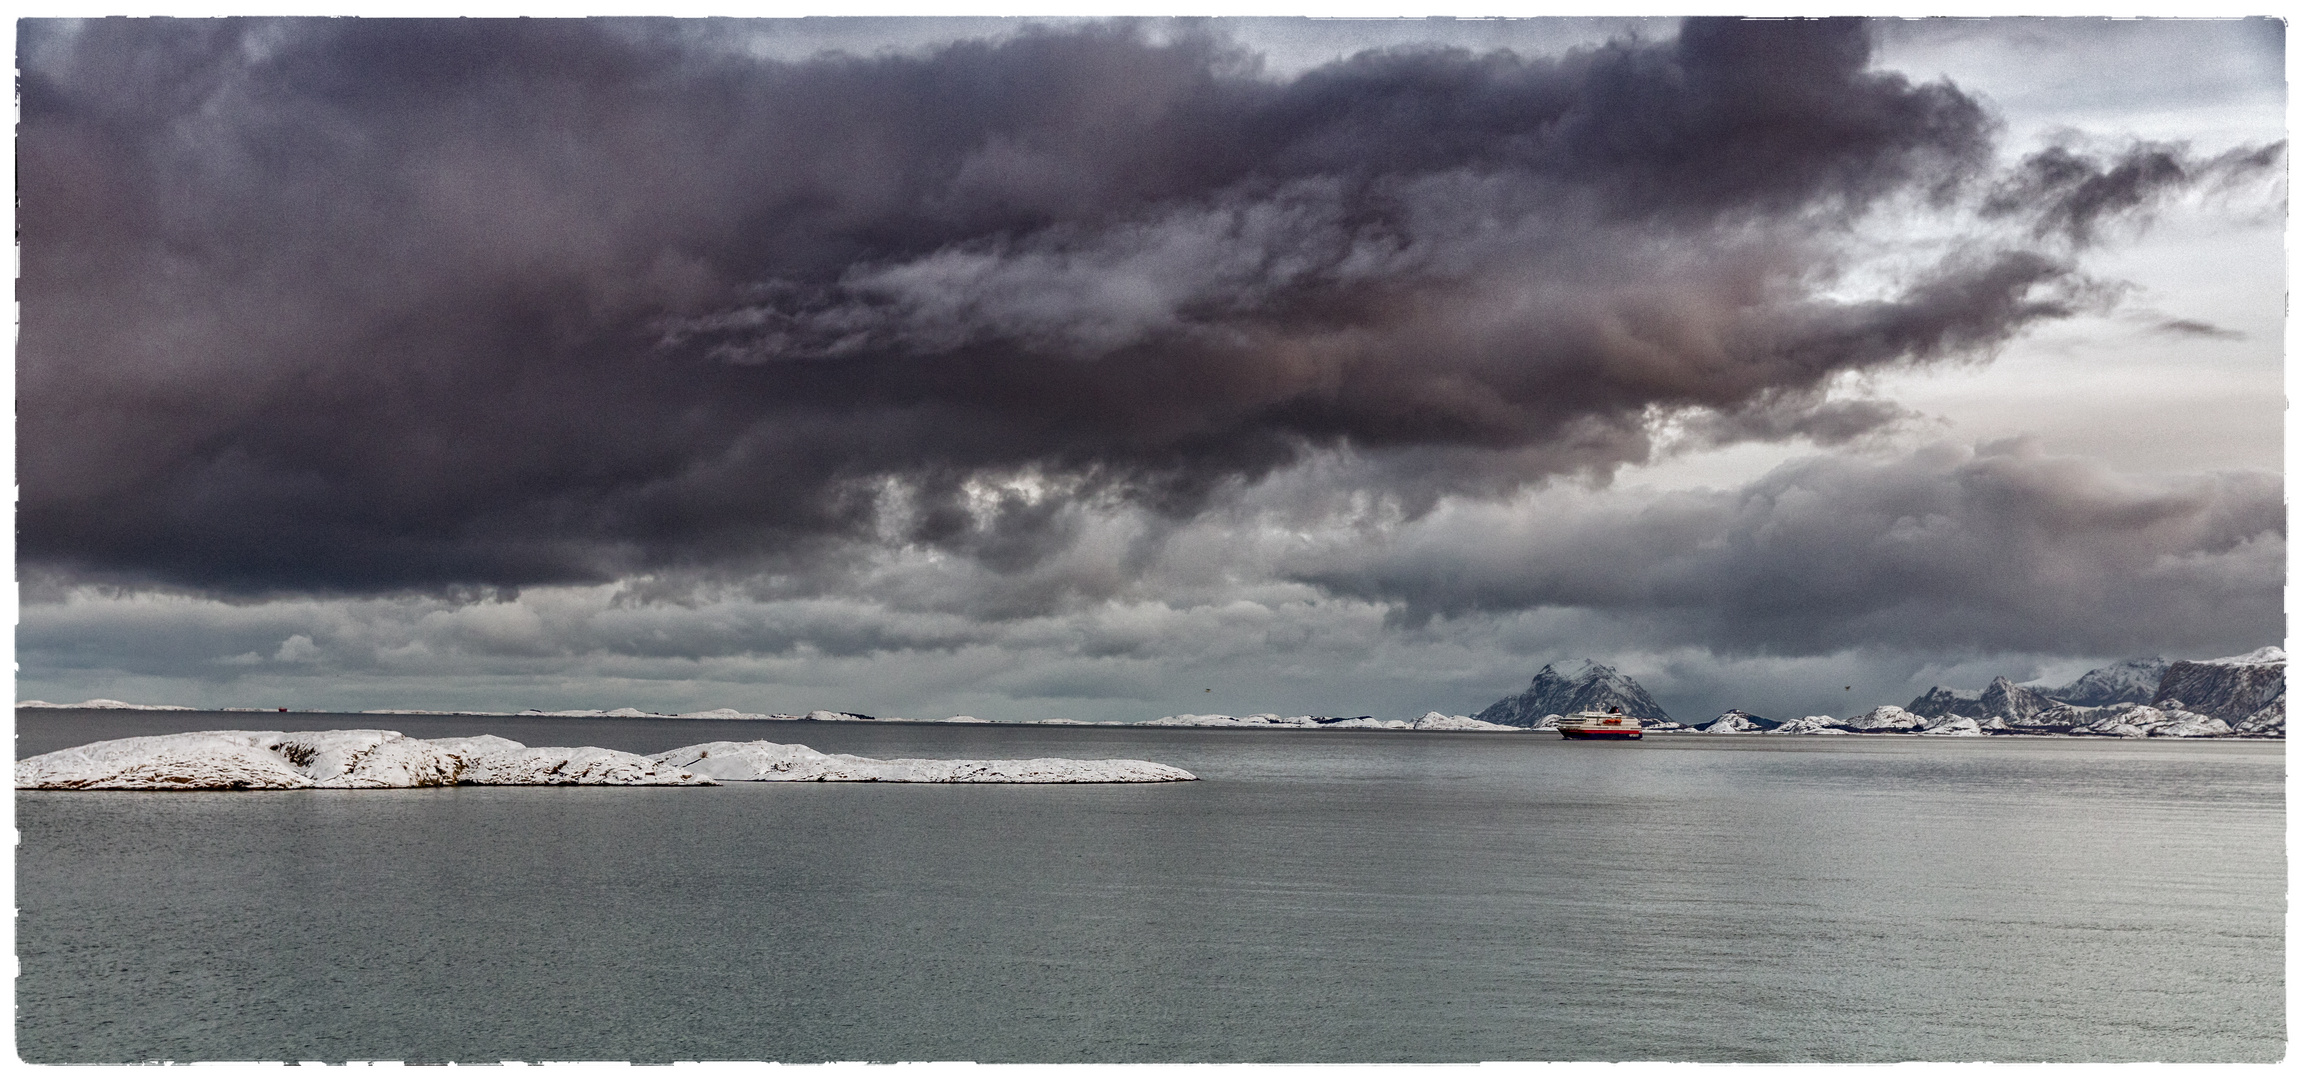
(1576, 671)
(2006, 699)
(1572, 686)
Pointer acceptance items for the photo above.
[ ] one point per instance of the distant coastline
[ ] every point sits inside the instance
(1429, 722)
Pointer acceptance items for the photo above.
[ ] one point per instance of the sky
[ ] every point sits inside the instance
(1117, 369)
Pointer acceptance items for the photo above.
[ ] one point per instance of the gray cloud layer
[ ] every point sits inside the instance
(1948, 551)
(1889, 573)
(353, 306)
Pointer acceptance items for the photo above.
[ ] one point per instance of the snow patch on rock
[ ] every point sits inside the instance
(2271, 720)
(557, 765)
(1953, 725)
(2168, 720)
(200, 760)
(1887, 718)
(2269, 654)
(1436, 721)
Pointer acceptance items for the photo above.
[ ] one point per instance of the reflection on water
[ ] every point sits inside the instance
(1327, 896)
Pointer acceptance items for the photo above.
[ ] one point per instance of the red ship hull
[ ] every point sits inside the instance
(1604, 733)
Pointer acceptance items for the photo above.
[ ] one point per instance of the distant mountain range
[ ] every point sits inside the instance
(2148, 696)
(2127, 682)
(2002, 698)
(2234, 689)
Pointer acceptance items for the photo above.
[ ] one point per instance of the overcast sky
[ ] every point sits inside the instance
(1113, 370)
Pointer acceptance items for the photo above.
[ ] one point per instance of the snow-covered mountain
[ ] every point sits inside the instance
(1583, 685)
(2005, 698)
(2002, 698)
(1945, 701)
(1737, 720)
(791, 761)
(2243, 696)
(2231, 688)
(1888, 718)
(2136, 681)
(1811, 725)
(2127, 719)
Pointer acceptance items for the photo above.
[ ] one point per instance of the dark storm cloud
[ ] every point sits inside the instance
(1802, 416)
(2197, 328)
(2072, 193)
(358, 305)
(1946, 550)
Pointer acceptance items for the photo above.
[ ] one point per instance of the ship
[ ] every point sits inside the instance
(1612, 724)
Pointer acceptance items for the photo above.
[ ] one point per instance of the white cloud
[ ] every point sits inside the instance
(298, 649)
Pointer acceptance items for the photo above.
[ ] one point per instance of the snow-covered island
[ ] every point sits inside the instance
(103, 703)
(1431, 721)
(790, 761)
(365, 758)
(373, 758)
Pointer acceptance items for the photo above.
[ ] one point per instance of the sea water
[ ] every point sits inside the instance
(1317, 896)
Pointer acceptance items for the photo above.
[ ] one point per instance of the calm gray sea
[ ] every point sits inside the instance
(1319, 896)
